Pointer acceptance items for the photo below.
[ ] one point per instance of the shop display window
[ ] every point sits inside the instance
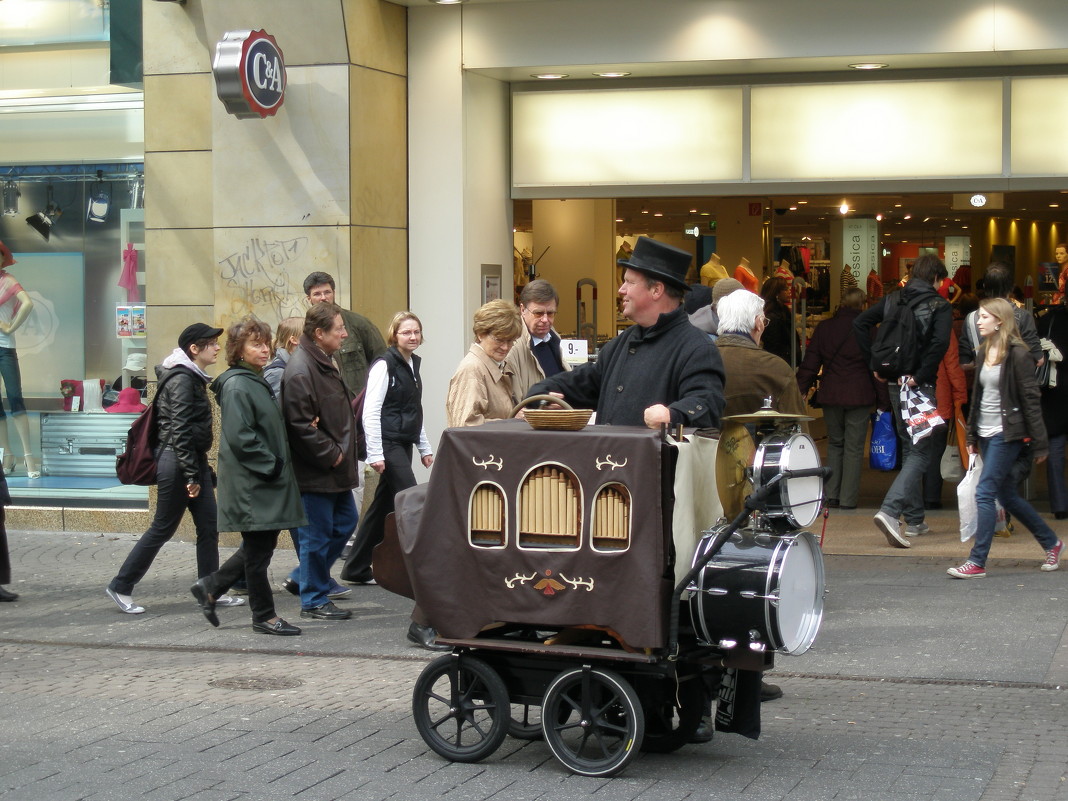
(76, 234)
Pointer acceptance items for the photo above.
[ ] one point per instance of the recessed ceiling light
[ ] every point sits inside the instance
(908, 216)
(611, 74)
(793, 208)
(802, 202)
(447, 2)
(693, 211)
(550, 76)
(844, 208)
(869, 65)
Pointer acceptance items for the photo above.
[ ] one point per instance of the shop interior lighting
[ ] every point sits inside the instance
(550, 76)
(42, 221)
(99, 200)
(11, 199)
(844, 208)
(611, 74)
(869, 65)
(447, 2)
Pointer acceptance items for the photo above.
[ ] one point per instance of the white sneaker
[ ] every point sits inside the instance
(229, 600)
(917, 530)
(124, 602)
(891, 529)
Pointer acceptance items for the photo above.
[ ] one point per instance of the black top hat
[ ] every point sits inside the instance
(663, 262)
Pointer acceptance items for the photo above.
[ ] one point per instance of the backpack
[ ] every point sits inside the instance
(137, 463)
(896, 349)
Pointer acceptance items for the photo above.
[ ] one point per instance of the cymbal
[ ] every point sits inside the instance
(766, 416)
(733, 457)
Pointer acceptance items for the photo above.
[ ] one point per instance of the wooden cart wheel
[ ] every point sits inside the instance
(592, 721)
(461, 708)
(550, 398)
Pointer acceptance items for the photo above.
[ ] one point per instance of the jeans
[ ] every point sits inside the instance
(905, 496)
(9, 372)
(397, 476)
(847, 426)
(932, 478)
(996, 481)
(171, 504)
(1058, 493)
(249, 562)
(332, 518)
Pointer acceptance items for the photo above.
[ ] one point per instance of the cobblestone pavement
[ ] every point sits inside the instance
(919, 688)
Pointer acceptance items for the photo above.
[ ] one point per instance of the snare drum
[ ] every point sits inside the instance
(761, 588)
(798, 499)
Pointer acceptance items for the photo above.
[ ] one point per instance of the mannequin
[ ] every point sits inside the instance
(745, 276)
(15, 307)
(713, 270)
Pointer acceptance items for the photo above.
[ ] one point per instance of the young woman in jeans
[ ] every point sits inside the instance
(1004, 414)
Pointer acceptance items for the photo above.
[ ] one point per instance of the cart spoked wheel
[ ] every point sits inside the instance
(461, 708)
(592, 721)
(525, 723)
(670, 722)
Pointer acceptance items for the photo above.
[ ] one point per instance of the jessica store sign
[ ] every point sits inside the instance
(250, 74)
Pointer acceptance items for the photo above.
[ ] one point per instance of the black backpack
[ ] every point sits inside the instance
(896, 349)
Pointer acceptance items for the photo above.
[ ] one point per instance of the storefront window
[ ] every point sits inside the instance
(77, 237)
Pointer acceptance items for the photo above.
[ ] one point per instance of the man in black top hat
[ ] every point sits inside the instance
(659, 370)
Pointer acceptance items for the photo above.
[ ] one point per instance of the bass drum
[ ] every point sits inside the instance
(761, 588)
(798, 499)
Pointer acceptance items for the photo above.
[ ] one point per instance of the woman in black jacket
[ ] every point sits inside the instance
(1005, 412)
(184, 478)
(393, 426)
(779, 335)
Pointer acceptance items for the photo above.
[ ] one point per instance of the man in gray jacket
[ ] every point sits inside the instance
(317, 406)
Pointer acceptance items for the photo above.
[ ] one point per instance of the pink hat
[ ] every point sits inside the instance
(6, 259)
(129, 401)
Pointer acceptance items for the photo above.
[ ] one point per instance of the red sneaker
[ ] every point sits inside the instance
(968, 570)
(1053, 557)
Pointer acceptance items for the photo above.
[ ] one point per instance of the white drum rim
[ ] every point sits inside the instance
(815, 503)
(787, 512)
(811, 619)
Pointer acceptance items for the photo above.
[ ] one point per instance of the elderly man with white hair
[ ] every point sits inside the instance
(752, 372)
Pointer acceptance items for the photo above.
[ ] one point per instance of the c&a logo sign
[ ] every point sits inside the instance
(250, 73)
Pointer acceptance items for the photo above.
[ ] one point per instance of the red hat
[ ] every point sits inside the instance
(129, 401)
(6, 259)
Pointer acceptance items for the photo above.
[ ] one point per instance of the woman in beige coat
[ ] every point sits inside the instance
(481, 387)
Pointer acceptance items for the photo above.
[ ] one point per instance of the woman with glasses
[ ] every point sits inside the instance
(481, 388)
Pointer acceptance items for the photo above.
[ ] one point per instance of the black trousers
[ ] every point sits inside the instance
(397, 476)
(171, 505)
(249, 562)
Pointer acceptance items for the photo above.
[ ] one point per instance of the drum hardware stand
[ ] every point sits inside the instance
(823, 531)
(753, 503)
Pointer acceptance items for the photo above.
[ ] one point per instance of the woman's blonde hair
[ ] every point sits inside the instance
(499, 319)
(289, 328)
(1006, 332)
(395, 324)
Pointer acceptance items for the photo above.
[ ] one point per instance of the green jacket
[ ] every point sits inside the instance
(362, 346)
(257, 488)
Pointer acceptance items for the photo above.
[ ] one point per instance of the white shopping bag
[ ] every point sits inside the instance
(969, 512)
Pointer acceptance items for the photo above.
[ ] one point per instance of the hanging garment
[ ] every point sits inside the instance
(128, 277)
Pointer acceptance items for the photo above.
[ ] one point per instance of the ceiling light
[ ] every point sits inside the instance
(879, 217)
(868, 65)
(43, 221)
(611, 74)
(447, 2)
(99, 200)
(802, 202)
(908, 217)
(693, 211)
(549, 76)
(11, 199)
(793, 208)
(844, 208)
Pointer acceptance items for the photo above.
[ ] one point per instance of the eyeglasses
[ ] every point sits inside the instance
(544, 313)
(764, 319)
(505, 343)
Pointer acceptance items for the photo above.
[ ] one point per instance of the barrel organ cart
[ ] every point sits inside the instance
(593, 593)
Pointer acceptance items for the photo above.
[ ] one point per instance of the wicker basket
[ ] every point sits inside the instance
(558, 419)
